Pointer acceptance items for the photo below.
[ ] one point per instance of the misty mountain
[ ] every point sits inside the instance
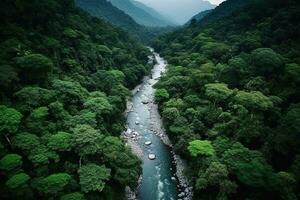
(105, 10)
(179, 11)
(140, 13)
(201, 15)
(154, 13)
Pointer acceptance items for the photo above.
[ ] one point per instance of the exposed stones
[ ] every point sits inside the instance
(152, 156)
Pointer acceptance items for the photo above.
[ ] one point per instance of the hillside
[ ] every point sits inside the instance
(105, 10)
(64, 80)
(200, 15)
(139, 14)
(230, 100)
(153, 13)
(180, 11)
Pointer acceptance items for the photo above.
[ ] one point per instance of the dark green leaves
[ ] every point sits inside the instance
(92, 177)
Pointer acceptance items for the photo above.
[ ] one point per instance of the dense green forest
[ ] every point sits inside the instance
(230, 100)
(64, 78)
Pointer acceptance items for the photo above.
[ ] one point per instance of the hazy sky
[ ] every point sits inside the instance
(216, 2)
(180, 10)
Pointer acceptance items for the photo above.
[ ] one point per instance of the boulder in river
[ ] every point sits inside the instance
(145, 102)
(151, 156)
(148, 143)
(137, 122)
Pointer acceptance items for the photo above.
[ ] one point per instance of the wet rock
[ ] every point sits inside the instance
(145, 102)
(137, 122)
(173, 178)
(181, 194)
(148, 143)
(152, 156)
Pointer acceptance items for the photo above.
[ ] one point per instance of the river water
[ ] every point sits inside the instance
(162, 178)
(158, 180)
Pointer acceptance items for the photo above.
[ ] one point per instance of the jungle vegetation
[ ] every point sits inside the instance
(230, 100)
(64, 78)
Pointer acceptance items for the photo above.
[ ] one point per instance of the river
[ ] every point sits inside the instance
(162, 178)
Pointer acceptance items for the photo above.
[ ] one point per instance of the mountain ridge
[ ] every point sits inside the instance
(141, 16)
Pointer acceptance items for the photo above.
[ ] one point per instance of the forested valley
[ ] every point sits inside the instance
(229, 101)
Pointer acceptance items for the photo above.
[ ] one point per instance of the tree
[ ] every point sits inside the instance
(98, 105)
(287, 185)
(215, 173)
(161, 95)
(60, 142)
(32, 97)
(35, 67)
(41, 155)
(253, 100)
(38, 121)
(127, 168)
(266, 62)
(103, 50)
(170, 114)
(218, 92)
(53, 184)
(9, 121)
(215, 50)
(286, 138)
(11, 162)
(92, 177)
(87, 140)
(201, 147)
(293, 72)
(111, 148)
(179, 126)
(70, 92)
(25, 141)
(73, 196)
(256, 174)
(17, 180)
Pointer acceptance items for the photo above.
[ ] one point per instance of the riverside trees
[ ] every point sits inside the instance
(232, 108)
(64, 78)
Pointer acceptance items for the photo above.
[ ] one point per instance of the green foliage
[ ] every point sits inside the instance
(17, 181)
(53, 184)
(233, 84)
(10, 162)
(103, 50)
(92, 177)
(26, 141)
(201, 147)
(9, 120)
(60, 142)
(35, 67)
(266, 62)
(98, 105)
(87, 140)
(32, 97)
(218, 91)
(254, 100)
(64, 79)
(73, 196)
(71, 92)
(161, 95)
(255, 174)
